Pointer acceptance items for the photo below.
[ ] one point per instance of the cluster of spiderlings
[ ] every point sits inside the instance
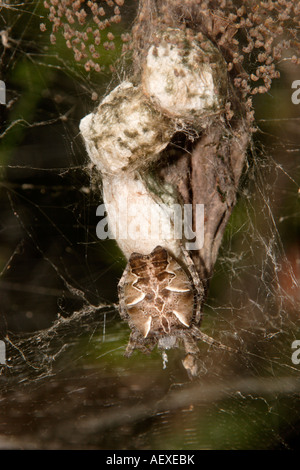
(271, 34)
(254, 38)
(82, 24)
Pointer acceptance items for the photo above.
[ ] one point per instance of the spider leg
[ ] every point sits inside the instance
(131, 346)
(197, 284)
(122, 303)
(209, 340)
(190, 362)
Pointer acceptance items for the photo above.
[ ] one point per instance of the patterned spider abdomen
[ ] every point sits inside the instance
(156, 294)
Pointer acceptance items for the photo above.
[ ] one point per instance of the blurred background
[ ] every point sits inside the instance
(66, 383)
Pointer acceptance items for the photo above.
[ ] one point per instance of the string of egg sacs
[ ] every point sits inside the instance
(183, 84)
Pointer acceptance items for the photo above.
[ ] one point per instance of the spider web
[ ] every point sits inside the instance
(66, 380)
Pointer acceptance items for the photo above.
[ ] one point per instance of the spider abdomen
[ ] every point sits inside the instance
(156, 294)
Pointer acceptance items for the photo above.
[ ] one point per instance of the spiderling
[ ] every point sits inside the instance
(83, 26)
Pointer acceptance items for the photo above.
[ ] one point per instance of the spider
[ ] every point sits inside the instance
(160, 297)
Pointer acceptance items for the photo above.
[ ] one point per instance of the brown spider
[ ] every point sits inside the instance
(160, 298)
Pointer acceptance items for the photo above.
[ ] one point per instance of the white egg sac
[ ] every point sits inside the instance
(125, 131)
(136, 218)
(184, 78)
